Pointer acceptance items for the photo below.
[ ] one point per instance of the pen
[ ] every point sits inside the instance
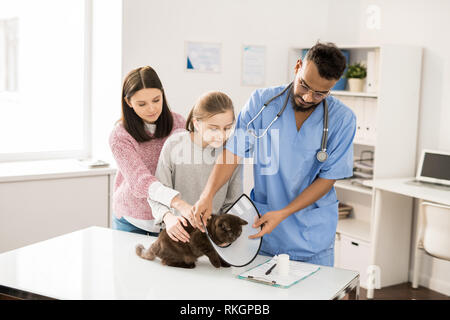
(270, 270)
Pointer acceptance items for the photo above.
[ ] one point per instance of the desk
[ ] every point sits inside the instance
(100, 263)
(400, 186)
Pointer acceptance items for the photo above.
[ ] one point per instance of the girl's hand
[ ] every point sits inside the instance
(174, 228)
(185, 209)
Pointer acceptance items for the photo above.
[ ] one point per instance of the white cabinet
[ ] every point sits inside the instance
(337, 250)
(37, 205)
(354, 254)
(387, 118)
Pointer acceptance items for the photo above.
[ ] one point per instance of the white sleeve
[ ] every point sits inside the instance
(158, 211)
(159, 192)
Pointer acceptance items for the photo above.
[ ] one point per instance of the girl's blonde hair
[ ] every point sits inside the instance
(208, 105)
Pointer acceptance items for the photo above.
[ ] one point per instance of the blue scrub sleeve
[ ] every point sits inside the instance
(339, 164)
(240, 142)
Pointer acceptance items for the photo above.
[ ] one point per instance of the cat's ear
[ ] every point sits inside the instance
(242, 222)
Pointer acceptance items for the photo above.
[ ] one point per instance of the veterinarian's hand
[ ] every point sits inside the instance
(269, 221)
(174, 228)
(202, 210)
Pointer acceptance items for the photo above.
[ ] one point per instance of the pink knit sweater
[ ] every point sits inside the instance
(136, 166)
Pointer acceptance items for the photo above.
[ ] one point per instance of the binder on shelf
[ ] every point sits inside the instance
(363, 166)
(372, 71)
(363, 175)
(344, 210)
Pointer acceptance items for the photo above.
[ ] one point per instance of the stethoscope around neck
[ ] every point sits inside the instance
(322, 154)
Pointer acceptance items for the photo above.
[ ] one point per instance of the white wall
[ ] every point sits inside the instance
(154, 33)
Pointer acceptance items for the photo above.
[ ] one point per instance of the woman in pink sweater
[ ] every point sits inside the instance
(136, 143)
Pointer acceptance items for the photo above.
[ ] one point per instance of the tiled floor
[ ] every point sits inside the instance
(404, 291)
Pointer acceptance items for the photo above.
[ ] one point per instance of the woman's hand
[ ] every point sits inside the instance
(174, 228)
(269, 221)
(202, 210)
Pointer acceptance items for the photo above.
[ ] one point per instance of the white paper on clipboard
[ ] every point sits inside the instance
(297, 272)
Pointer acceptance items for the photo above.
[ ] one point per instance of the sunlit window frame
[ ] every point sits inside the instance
(86, 151)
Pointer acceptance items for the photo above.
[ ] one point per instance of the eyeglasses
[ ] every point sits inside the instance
(316, 95)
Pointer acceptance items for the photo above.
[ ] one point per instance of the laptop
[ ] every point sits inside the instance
(434, 168)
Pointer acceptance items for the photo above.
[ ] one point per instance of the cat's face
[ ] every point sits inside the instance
(227, 228)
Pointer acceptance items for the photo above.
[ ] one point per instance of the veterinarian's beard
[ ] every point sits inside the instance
(302, 107)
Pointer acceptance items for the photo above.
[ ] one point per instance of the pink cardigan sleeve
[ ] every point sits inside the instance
(131, 166)
(133, 169)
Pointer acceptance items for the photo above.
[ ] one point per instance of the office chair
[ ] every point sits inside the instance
(434, 235)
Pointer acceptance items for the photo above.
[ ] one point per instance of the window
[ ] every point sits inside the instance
(44, 79)
(8, 55)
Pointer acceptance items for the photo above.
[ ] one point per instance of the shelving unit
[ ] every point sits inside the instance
(386, 125)
(347, 185)
(354, 94)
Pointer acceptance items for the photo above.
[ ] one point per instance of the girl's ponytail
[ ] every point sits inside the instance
(190, 121)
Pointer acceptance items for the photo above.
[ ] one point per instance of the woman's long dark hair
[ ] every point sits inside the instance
(137, 79)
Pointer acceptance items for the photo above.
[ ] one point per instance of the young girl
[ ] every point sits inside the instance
(188, 158)
(136, 143)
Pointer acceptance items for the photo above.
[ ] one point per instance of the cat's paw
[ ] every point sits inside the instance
(139, 249)
(215, 262)
(224, 264)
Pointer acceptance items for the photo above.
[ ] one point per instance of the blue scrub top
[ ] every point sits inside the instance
(285, 164)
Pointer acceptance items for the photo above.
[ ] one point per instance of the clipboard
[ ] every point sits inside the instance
(297, 271)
